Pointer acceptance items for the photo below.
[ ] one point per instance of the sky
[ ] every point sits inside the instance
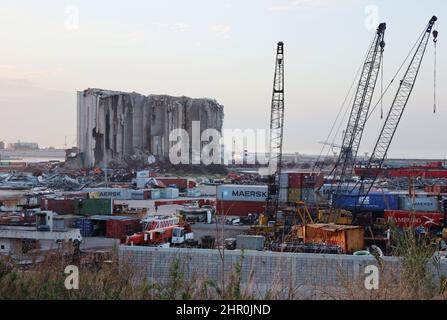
(221, 49)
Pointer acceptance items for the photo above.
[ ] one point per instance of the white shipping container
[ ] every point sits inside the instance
(109, 193)
(326, 190)
(169, 193)
(428, 204)
(251, 193)
(137, 195)
(155, 194)
(195, 192)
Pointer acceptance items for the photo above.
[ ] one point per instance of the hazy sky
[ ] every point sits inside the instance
(222, 49)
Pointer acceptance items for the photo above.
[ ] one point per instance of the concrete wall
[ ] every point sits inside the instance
(113, 125)
(311, 274)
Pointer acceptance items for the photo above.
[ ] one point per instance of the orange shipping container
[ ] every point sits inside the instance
(349, 238)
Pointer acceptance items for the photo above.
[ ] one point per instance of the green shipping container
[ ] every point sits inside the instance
(93, 207)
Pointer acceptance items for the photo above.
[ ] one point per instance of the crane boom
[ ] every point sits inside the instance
(353, 134)
(395, 113)
(276, 132)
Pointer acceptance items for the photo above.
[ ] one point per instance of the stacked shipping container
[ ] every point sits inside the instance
(240, 200)
(374, 201)
(298, 186)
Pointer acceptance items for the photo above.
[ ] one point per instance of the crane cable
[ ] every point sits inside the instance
(397, 73)
(343, 106)
(381, 87)
(435, 42)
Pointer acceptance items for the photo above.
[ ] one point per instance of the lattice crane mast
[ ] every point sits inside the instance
(344, 166)
(276, 134)
(395, 113)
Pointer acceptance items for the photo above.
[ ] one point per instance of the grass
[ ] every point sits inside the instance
(416, 277)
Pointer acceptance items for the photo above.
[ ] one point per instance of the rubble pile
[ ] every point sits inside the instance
(61, 182)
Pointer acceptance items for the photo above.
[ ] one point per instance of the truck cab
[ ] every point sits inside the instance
(180, 235)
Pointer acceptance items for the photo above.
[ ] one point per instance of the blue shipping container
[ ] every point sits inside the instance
(85, 227)
(375, 202)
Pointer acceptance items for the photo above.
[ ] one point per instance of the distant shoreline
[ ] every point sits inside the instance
(31, 156)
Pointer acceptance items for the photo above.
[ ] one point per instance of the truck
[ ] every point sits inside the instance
(162, 230)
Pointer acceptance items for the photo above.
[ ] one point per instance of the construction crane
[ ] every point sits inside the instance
(344, 166)
(276, 134)
(395, 114)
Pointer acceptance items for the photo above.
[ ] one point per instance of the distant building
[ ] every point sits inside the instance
(2, 145)
(23, 146)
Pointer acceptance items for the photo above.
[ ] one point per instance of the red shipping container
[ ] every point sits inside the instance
(300, 180)
(181, 183)
(239, 208)
(121, 228)
(60, 206)
(405, 219)
(296, 180)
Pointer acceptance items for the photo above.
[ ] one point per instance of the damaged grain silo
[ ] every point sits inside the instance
(113, 126)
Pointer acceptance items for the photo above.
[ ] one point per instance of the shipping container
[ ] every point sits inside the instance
(349, 238)
(375, 202)
(60, 206)
(93, 207)
(296, 180)
(155, 194)
(309, 195)
(284, 181)
(169, 193)
(180, 183)
(283, 195)
(108, 193)
(239, 208)
(195, 192)
(294, 195)
(326, 190)
(427, 204)
(301, 179)
(136, 194)
(406, 219)
(250, 242)
(247, 193)
(85, 226)
(124, 226)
